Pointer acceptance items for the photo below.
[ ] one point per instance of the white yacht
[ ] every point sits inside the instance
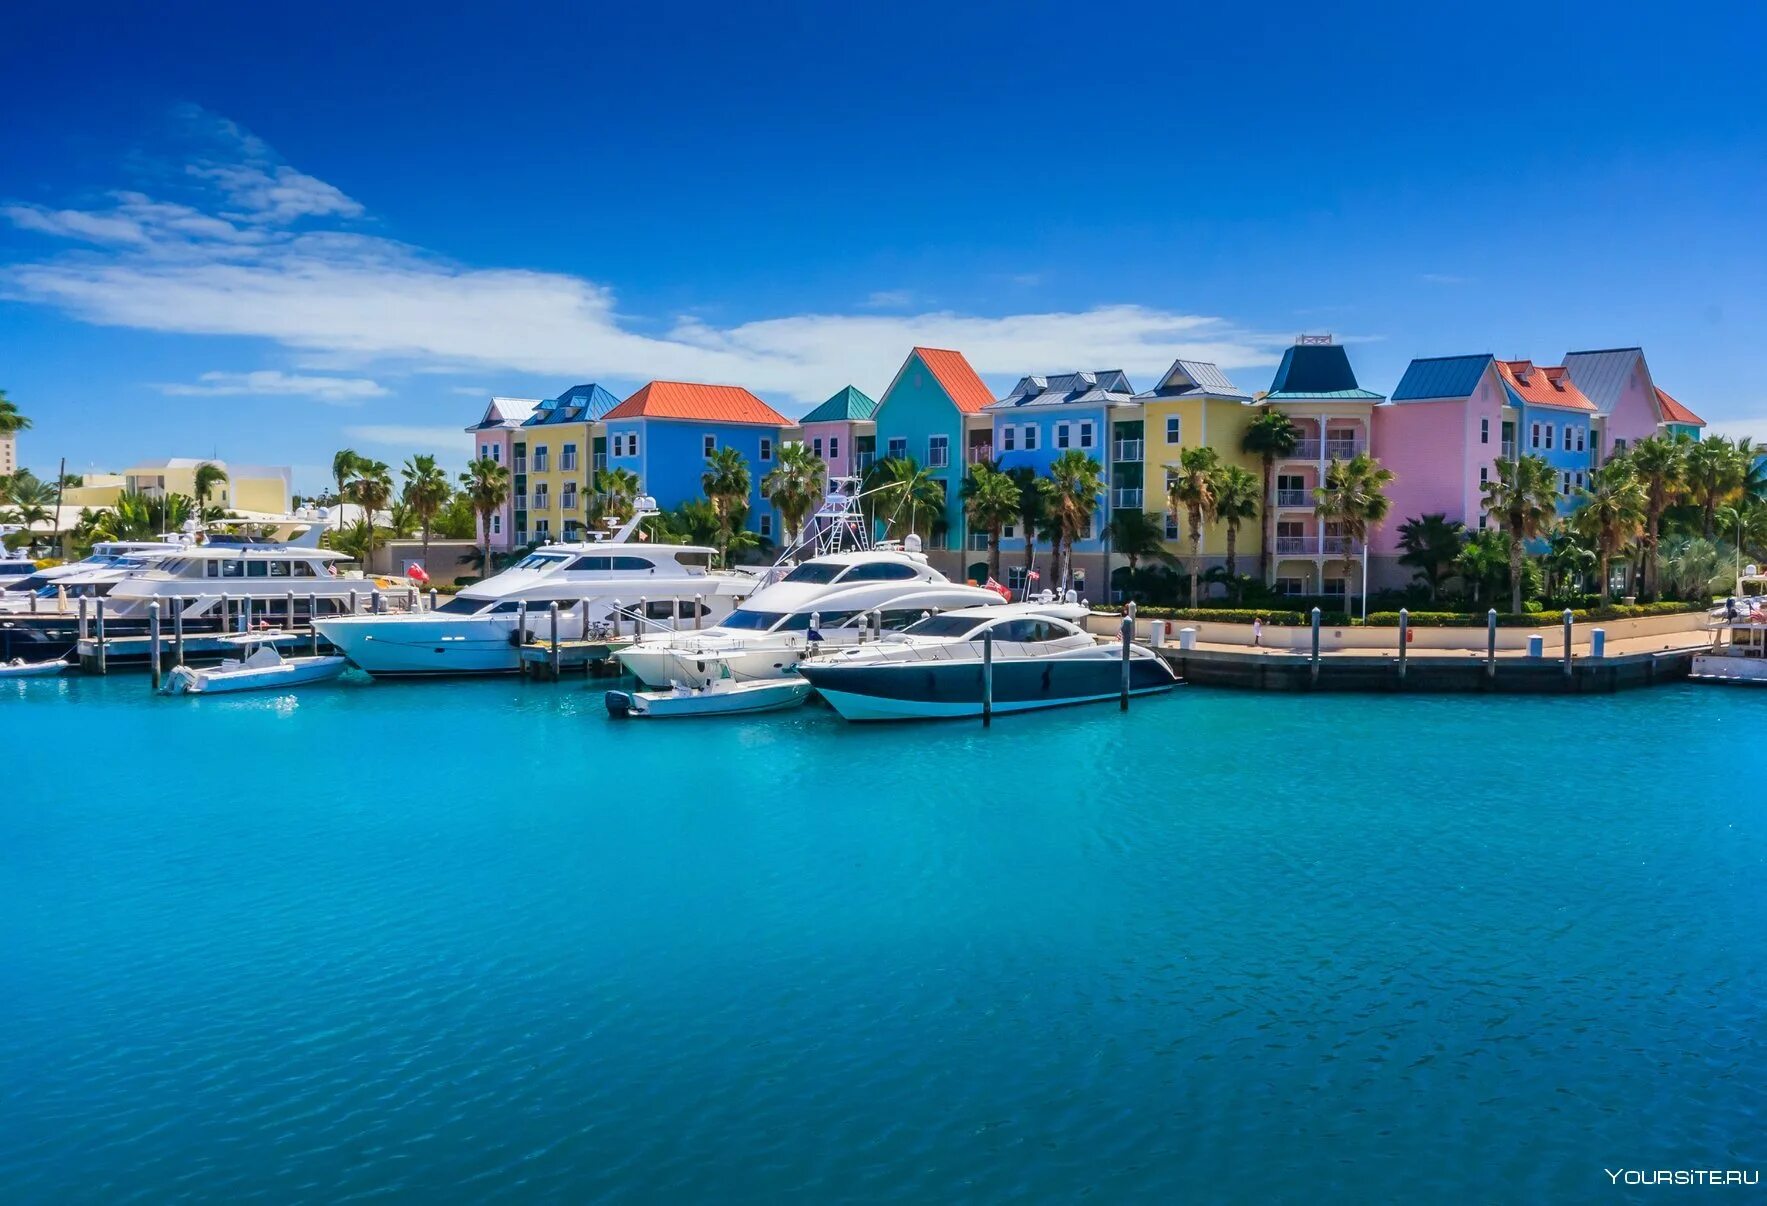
(1042, 658)
(91, 576)
(618, 584)
(828, 601)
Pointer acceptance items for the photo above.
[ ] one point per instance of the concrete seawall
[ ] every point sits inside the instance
(1427, 674)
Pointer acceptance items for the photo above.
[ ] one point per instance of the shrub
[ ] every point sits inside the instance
(1230, 615)
(1539, 619)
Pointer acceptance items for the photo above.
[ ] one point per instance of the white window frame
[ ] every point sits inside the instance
(1582, 439)
(896, 448)
(632, 443)
(567, 458)
(1484, 431)
(1484, 474)
(1008, 438)
(1063, 435)
(1174, 429)
(1086, 433)
(496, 524)
(834, 446)
(541, 457)
(1568, 430)
(1533, 435)
(1030, 437)
(816, 445)
(1549, 437)
(766, 448)
(766, 525)
(708, 445)
(943, 444)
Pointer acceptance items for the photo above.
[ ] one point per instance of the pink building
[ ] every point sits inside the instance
(1632, 408)
(493, 438)
(842, 432)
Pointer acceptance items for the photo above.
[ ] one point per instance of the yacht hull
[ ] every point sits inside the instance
(925, 690)
(425, 645)
(658, 666)
(726, 699)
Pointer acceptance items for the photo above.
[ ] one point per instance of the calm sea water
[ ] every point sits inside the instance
(472, 941)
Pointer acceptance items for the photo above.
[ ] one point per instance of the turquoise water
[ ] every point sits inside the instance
(474, 941)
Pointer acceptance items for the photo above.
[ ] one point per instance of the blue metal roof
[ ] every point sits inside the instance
(578, 404)
(1317, 370)
(1188, 378)
(1441, 377)
(1107, 387)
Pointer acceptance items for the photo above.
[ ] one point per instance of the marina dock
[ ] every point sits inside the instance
(549, 659)
(95, 656)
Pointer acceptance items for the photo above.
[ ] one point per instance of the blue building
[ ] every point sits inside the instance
(667, 431)
(1549, 417)
(932, 415)
(1045, 417)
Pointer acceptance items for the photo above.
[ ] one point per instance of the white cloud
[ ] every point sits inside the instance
(245, 259)
(343, 390)
(889, 299)
(419, 439)
(1754, 428)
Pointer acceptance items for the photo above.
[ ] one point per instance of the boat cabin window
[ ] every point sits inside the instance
(633, 563)
(257, 569)
(816, 574)
(304, 569)
(1029, 631)
(686, 609)
(461, 607)
(752, 621)
(882, 571)
(659, 609)
(694, 560)
(943, 626)
(227, 569)
(279, 569)
(587, 565)
(901, 618)
(539, 560)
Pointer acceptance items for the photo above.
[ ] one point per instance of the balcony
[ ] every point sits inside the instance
(521, 502)
(1334, 544)
(977, 453)
(1295, 498)
(568, 502)
(1342, 448)
(1127, 450)
(1126, 498)
(542, 502)
(1305, 450)
(1296, 546)
(521, 464)
(978, 542)
(1509, 450)
(600, 462)
(862, 462)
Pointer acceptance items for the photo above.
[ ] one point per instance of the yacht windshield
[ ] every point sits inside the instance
(539, 560)
(814, 574)
(461, 607)
(753, 621)
(942, 626)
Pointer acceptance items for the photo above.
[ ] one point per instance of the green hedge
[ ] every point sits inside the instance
(1534, 619)
(1229, 615)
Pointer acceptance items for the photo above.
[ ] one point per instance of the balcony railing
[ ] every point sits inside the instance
(521, 502)
(1294, 498)
(542, 502)
(567, 502)
(1342, 448)
(1334, 544)
(1296, 546)
(1305, 450)
(1127, 450)
(521, 464)
(1126, 498)
(1509, 450)
(862, 463)
(978, 453)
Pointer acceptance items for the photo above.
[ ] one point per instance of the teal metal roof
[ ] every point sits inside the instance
(578, 404)
(1333, 395)
(1317, 370)
(847, 406)
(1441, 377)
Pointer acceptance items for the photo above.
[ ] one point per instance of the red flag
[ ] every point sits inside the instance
(1002, 591)
(414, 571)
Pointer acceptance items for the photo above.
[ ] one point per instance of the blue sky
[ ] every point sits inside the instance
(264, 235)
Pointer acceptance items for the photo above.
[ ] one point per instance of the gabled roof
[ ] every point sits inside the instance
(1194, 378)
(1674, 412)
(849, 405)
(706, 403)
(1109, 387)
(1538, 385)
(494, 416)
(1601, 375)
(956, 378)
(1441, 377)
(1317, 370)
(578, 404)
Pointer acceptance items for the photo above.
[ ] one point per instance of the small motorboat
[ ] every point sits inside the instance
(720, 697)
(264, 669)
(19, 668)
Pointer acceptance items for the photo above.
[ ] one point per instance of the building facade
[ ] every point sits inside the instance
(493, 438)
(843, 432)
(554, 459)
(932, 414)
(1629, 405)
(1194, 405)
(667, 432)
(259, 489)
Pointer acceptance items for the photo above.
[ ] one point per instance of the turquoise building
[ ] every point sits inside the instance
(932, 414)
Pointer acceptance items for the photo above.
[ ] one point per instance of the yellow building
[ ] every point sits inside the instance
(264, 489)
(1194, 406)
(556, 453)
(8, 454)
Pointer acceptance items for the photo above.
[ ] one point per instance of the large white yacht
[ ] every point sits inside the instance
(109, 562)
(847, 588)
(615, 583)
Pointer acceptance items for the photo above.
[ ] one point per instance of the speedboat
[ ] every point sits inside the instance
(1042, 658)
(19, 668)
(14, 570)
(263, 669)
(614, 588)
(720, 697)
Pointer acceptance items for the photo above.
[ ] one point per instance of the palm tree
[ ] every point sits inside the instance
(343, 468)
(794, 485)
(912, 499)
(11, 422)
(1270, 435)
(1137, 535)
(1033, 510)
(726, 483)
(371, 489)
(208, 476)
(1190, 491)
(1072, 490)
(426, 493)
(1610, 515)
(1354, 498)
(620, 487)
(1483, 563)
(1661, 465)
(1568, 562)
(990, 502)
(1429, 545)
(486, 486)
(1236, 500)
(1715, 472)
(1523, 501)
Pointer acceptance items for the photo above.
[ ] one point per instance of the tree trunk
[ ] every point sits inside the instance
(1653, 533)
(1030, 550)
(1515, 572)
(1264, 523)
(994, 554)
(1606, 590)
(1233, 559)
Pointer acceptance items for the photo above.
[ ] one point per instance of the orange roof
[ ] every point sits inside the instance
(1542, 385)
(708, 403)
(956, 378)
(1674, 412)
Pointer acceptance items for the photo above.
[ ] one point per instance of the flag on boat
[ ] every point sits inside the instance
(1032, 576)
(1000, 590)
(414, 571)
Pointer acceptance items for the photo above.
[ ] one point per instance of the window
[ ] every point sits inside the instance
(496, 525)
(484, 451)
(1174, 428)
(1291, 586)
(279, 569)
(1085, 435)
(1567, 444)
(619, 445)
(1484, 474)
(233, 569)
(881, 571)
(1334, 588)
(767, 526)
(632, 443)
(567, 457)
(1015, 578)
(938, 451)
(1619, 446)
(834, 446)
(1061, 435)
(569, 500)
(1030, 437)
(659, 609)
(1549, 437)
(1533, 435)
(766, 448)
(497, 453)
(542, 529)
(1565, 487)
(816, 573)
(1582, 439)
(1484, 431)
(898, 447)
(708, 446)
(540, 499)
(816, 445)
(1579, 478)
(1008, 436)
(540, 458)
(1171, 526)
(1483, 521)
